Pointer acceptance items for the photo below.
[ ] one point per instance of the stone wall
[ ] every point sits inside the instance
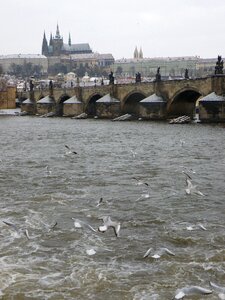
(8, 98)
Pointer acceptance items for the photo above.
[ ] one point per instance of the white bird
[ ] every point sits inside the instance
(195, 227)
(81, 224)
(158, 253)
(99, 202)
(107, 222)
(69, 151)
(192, 189)
(191, 291)
(133, 153)
(139, 182)
(48, 171)
(18, 230)
(90, 252)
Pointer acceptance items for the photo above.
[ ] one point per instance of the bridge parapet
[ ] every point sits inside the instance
(180, 95)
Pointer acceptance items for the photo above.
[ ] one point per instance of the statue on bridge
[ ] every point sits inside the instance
(50, 87)
(158, 75)
(138, 77)
(219, 66)
(111, 78)
(31, 86)
(186, 76)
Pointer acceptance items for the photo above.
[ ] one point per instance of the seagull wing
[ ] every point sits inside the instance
(147, 253)
(217, 288)
(12, 225)
(169, 252)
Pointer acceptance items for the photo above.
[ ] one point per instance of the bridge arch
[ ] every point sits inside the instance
(131, 102)
(183, 102)
(60, 102)
(90, 109)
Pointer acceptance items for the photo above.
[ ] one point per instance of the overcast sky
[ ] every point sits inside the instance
(161, 27)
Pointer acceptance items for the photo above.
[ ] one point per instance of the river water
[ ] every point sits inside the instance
(66, 262)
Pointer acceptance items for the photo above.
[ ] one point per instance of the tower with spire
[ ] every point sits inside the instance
(44, 50)
(140, 54)
(69, 41)
(57, 43)
(136, 53)
(56, 47)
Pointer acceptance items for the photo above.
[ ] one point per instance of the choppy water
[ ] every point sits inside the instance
(55, 263)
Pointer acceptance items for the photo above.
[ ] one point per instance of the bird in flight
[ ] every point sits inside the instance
(69, 151)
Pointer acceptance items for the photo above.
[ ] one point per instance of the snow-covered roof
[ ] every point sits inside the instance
(213, 97)
(72, 100)
(153, 98)
(23, 56)
(107, 99)
(46, 99)
(28, 101)
(76, 47)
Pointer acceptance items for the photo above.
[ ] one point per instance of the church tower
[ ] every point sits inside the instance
(57, 43)
(140, 53)
(69, 41)
(50, 41)
(136, 53)
(44, 50)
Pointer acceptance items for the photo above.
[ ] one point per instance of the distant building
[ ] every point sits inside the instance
(173, 67)
(6, 61)
(57, 47)
(89, 59)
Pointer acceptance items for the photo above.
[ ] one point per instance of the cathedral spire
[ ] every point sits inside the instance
(57, 36)
(140, 53)
(50, 41)
(136, 52)
(69, 41)
(44, 45)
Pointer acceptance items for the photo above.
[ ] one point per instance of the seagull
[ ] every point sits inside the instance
(107, 222)
(139, 182)
(159, 253)
(80, 224)
(218, 289)
(143, 196)
(195, 227)
(69, 151)
(48, 171)
(191, 189)
(191, 291)
(133, 153)
(18, 230)
(90, 252)
(182, 142)
(99, 202)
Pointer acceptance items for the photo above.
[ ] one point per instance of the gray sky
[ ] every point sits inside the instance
(160, 27)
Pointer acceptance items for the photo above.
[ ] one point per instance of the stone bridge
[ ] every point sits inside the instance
(180, 95)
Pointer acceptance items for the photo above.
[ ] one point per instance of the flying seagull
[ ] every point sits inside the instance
(191, 291)
(48, 171)
(99, 202)
(18, 230)
(69, 151)
(192, 189)
(139, 182)
(158, 253)
(195, 227)
(107, 222)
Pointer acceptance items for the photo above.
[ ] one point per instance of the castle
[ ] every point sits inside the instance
(56, 46)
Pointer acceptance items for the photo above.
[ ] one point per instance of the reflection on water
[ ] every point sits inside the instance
(40, 185)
